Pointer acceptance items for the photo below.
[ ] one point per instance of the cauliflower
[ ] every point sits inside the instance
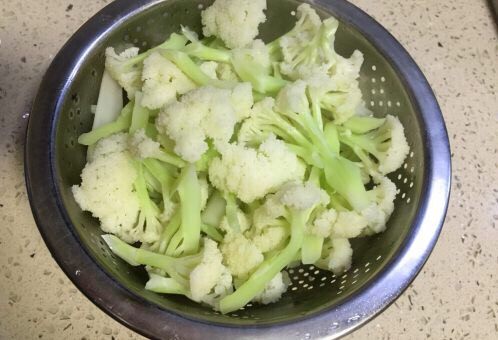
(125, 69)
(202, 277)
(250, 173)
(226, 72)
(113, 144)
(162, 81)
(204, 185)
(337, 256)
(107, 191)
(274, 289)
(240, 254)
(349, 224)
(338, 92)
(377, 214)
(210, 68)
(268, 213)
(386, 144)
(234, 21)
(302, 197)
(210, 278)
(242, 100)
(269, 238)
(200, 114)
(309, 45)
(143, 147)
(322, 226)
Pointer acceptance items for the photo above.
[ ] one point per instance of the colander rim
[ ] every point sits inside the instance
(141, 315)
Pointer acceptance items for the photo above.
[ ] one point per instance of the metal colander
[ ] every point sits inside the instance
(318, 303)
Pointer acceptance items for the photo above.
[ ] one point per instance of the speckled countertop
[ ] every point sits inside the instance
(455, 296)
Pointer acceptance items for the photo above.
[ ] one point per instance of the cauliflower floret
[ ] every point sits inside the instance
(210, 280)
(349, 224)
(121, 68)
(202, 113)
(162, 82)
(338, 256)
(234, 21)
(251, 174)
(309, 45)
(274, 289)
(203, 183)
(240, 254)
(242, 100)
(258, 52)
(379, 212)
(209, 68)
(302, 196)
(107, 191)
(142, 146)
(269, 238)
(267, 214)
(226, 72)
(322, 225)
(393, 158)
(337, 89)
(112, 144)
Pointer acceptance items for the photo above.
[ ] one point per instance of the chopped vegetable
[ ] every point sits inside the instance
(234, 159)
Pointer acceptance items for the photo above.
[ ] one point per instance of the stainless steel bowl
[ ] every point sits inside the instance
(318, 303)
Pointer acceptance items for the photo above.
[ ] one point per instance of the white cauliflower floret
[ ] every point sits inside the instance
(251, 174)
(210, 280)
(142, 146)
(120, 67)
(203, 183)
(202, 113)
(337, 89)
(226, 72)
(112, 144)
(162, 82)
(302, 196)
(257, 52)
(107, 191)
(242, 100)
(209, 68)
(274, 289)
(379, 212)
(306, 48)
(349, 224)
(338, 256)
(269, 238)
(234, 21)
(322, 225)
(398, 149)
(267, 213)
(240, 254)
